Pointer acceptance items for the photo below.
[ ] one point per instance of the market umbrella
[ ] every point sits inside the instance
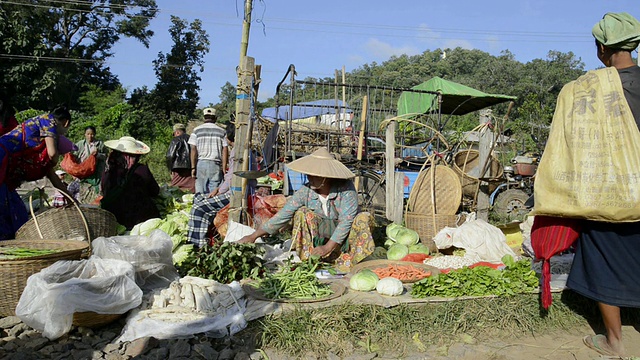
(457, 99)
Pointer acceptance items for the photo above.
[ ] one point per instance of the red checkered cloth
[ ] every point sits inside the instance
(551, 236)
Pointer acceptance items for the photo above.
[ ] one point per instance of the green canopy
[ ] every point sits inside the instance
(457, 99)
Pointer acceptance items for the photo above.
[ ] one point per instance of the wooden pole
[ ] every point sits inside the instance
(393, 204)
(342, 122)
(246, 27)
(363, 125)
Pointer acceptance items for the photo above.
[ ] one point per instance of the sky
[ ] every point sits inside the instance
(319, 37)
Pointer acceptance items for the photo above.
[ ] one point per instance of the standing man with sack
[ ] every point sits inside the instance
(208, 150)
(590, 174)
(179, 159)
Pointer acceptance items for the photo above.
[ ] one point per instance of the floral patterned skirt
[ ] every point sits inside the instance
(310, 228)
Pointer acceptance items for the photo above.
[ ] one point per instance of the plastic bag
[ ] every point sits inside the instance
(481, 240)
(150, 256)
(53, 295)
(81, 170)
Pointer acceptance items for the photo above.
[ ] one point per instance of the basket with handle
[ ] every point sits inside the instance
(428, 225)
(71, 222)
(15, 272)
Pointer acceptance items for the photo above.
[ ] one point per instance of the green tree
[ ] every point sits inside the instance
(178, 71)
(51, 49)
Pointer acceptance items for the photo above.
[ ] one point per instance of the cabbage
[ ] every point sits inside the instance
(402, 235)
(392, 229)
(419, 249)
(170, 227)
(181, 253)
(397, 252)
(388, 243)
(364, 280)
(145, 228)
(390, 286)
(406, 236)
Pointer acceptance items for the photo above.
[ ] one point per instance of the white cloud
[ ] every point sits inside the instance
(427, 36)
(493, 42)
(384, 50)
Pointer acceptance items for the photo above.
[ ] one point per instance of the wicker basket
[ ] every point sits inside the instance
(90, 319)
(14, 273)
(70, 223)
(427, 226)
(466, 162)
(436, 190)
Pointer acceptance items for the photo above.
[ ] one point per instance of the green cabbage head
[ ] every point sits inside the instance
(364, 280)
(397, 252)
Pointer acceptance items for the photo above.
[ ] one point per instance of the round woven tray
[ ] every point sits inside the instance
(436, 189)
(14, 273)
(337, 288)
(375, 264)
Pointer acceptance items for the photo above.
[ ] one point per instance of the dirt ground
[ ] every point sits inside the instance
(555, 346)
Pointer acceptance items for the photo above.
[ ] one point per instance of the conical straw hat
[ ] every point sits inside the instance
(321, 163)
(129, 145)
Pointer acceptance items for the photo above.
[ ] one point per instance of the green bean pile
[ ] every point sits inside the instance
(12, 253)
(294, 282)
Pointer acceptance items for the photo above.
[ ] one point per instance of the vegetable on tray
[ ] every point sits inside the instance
(405, 273)
(296, 281)
(11, 253)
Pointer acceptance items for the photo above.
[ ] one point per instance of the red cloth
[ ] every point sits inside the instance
(551, 236)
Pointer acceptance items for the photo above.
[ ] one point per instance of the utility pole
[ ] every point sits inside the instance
(243, 118)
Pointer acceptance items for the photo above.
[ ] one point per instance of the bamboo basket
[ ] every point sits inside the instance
(69, 223)
(14, 273)
(466, 162)
(428, 226)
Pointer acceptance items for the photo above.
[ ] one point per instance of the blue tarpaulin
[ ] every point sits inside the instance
(307, 109)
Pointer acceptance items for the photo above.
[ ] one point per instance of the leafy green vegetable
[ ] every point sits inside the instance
(224, 262)
(516, 278)
(419, 249)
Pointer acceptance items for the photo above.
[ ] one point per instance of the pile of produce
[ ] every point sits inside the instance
(13, 252)
(225, 262)
(368, 280)
(402, 241)
(195, 294)
(294, 281)
(405, 273)
(516, 278)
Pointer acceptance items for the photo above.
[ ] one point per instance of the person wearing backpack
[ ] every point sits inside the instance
(128, 187)
(179, 161)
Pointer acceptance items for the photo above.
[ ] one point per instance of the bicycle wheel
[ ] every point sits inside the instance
(371, 193)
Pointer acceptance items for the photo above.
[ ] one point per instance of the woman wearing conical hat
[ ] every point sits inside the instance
(325, 214)
(128, 187)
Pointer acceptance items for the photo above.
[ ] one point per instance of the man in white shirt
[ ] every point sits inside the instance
(208, 149)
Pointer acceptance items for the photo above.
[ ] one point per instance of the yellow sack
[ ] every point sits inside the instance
(590, 168)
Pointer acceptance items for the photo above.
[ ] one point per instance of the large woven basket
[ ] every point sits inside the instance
(90, 319)
(436, 190)
(467, 162)
(14, 273)
(83, 222)
(428, 226)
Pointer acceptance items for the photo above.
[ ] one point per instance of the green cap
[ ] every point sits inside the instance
(618, 31)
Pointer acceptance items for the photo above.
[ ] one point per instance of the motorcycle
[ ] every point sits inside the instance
(511, 199)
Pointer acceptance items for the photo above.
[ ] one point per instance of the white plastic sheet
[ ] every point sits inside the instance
(52, 296)
(150, 256)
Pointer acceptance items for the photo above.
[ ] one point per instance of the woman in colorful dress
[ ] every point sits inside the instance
(326, 221)
(27, 153)
(128, 187)
(90, 186)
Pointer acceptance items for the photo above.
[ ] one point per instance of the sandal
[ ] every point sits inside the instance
(599, 344)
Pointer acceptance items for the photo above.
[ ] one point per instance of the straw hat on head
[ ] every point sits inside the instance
(321, 163)
(179, 127)
(128, 145)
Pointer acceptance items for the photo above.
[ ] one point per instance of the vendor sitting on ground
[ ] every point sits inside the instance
(325, 214)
